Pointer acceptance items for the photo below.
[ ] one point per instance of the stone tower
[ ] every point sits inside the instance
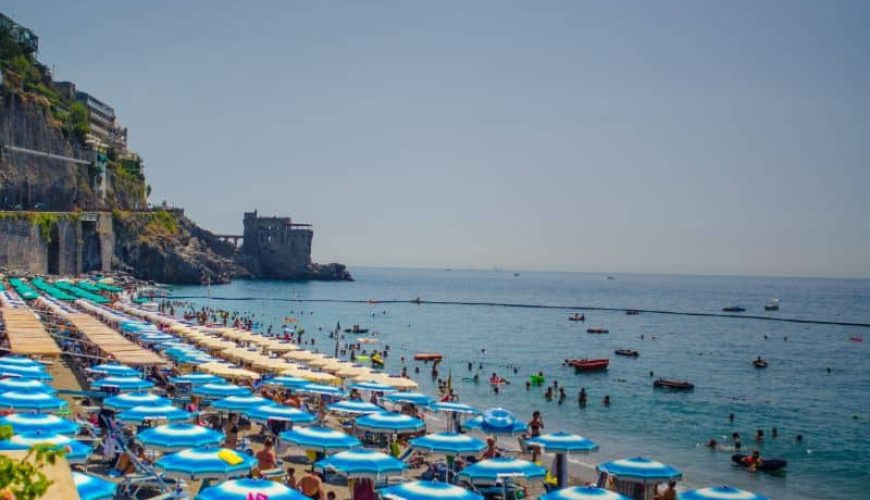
(275, 247)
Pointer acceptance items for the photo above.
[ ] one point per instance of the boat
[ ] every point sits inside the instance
(428, 356)
(759, 363)
(856, 339)
(627, 352)
(767, 464)
(611, 278)
(734, 309)
(676, 385)
(577, 317)
(597, 330)
(773, 305)
(632, 312)
(356, 329)
(589, 365)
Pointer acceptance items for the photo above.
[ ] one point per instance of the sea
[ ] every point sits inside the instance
(817, 384)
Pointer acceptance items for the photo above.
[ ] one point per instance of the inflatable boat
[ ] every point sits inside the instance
(676, 385)
(767, 464)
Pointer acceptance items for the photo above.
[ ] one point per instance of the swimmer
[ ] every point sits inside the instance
(549, 394)
(799, 438)
(528, 385)
(774, 432)
(469, 366)
(731, 418)
(712, 444)
(651, 374)
(606, 400)
(476, 378)
(759, 436)
(562, 395)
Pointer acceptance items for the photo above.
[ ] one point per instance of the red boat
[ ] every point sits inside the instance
(589, 365)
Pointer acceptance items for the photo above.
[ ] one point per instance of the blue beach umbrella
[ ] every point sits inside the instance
(33, 422)
(245, 489)
(76, 451)
(583, 493)
(497, 421)
(355, 407)
(140, 414)
(266, 412)
(448, 407)
(39, 402)
(562, 442)
(286, 381)
(20, 361)
(93, 488)
(24, 371)
(448, 443)
(239, 403)
(130, 400)
(206, 463)
(361, 463)
(428, 490)
(122, 383)
(639, 469)
(154, 338)
(114, 370)
(323, 390)
(493, 469)
(390, 422)
(373, 387)
(415, 398)
(319, 439)
(721, 493)
(177, 437)
(221, 390)
(29, 385)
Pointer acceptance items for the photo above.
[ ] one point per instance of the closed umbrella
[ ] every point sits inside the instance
(217, 391)
(393, 422)
(721, 493)
(583, 493)
(428, 490)
(130, 400)
(206, 463)
(354, 407)
(39, 402)
(140, 414)
(25, 385)
(319, 439)
(362, 463)
(76, 451)
(266, 412)
(246, 489)
(32, 422)
(122, 383)
(239, 403)
(177, 437)
(93, 488)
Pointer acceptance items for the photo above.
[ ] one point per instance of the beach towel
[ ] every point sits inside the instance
(230, 457)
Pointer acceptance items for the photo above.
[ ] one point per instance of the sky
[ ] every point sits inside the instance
(714, 137)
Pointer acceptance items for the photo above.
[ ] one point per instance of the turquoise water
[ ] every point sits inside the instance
(795, 394)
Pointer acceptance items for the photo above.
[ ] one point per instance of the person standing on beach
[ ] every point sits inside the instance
(535, 426)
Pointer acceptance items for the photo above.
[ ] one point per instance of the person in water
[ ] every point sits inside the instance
(754, 461)
(581, 398)
(712, 444)
(606, 400)
(759, 436)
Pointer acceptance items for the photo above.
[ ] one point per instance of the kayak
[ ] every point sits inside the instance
(597, 330)
(767, 464)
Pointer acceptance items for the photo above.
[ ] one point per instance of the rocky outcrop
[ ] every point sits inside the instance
(330, 272)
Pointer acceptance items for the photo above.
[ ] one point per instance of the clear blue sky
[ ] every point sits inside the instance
(677, 137)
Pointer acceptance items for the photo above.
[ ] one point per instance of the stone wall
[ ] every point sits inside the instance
(22, 248)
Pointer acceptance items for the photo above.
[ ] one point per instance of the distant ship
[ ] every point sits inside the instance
(734, 309)
(611, 278)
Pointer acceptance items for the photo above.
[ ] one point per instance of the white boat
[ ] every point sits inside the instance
(773, 305)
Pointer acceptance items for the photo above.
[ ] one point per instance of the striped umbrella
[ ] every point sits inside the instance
(428, 490)
(323, 390)
(266, 412)
(127, 401)
(721, 493)
(39, 402)
(217, 391)
(76, 451)
(93, 488)
(197, 379)
(373, 387)
(562, 442)
(286, 381)
(32, 422)
(140, 414)
(390, 422)
(415, 398)
(206, 463)
(497, 421)
(493, 469)
(20, 361)
(24, 371)
(639, 469)
(239, 403)
(122, 383)
(28, 385)
(176, 437)
(246, 489)
(448, 443)
(114, 370)
(448, 407)
(361, 463)
(319, 439)
(583, 493)
(354, 407)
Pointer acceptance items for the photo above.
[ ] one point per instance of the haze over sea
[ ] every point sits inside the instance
(795, 393)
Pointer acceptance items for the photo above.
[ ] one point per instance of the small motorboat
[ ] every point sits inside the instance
(759, 363)
(734, 309)
(627, 352)
(577, 317)
(428, 356)
(589, 365)
(856, 339)
(767, 464)
(356, 329)
(597, 330)
(675, 385)
(773, 305)
(632, 312)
